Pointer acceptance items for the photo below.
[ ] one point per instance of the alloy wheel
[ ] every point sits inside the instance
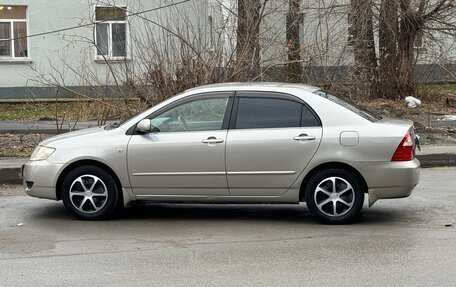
(88, 194)
(334, 196)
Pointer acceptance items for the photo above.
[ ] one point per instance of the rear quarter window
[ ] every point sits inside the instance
(350, 106)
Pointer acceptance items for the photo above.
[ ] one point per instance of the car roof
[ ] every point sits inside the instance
(251, 86)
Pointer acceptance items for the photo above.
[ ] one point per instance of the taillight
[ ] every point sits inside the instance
(405, 151)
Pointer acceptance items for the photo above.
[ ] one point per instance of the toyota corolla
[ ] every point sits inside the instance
(232, 143)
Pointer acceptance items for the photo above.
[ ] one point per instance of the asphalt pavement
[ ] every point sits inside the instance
(402, 242)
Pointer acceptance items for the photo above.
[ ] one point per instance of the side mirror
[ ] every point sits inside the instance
(143, 126)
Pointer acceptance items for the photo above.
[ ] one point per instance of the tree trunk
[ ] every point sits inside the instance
(410, 23)
(362, 31)
(293, 41)
(248, 45)
(388, 50)
(406, 64)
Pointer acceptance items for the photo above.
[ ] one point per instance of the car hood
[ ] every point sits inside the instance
(52, 140)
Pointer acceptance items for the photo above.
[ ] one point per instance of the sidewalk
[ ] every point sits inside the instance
(429, 156)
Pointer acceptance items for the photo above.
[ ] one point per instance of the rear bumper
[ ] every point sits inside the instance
(390, 179)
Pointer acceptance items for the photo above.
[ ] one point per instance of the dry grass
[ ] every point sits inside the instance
(77, 110)
(19, 145)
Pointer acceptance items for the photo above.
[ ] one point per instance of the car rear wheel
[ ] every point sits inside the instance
(89, 192)
(334, 196)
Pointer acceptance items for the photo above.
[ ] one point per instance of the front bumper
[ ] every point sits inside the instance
(40, 178)
(390, 179)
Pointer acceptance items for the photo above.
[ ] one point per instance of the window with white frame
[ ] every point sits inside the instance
(111, 33)
(13, 32)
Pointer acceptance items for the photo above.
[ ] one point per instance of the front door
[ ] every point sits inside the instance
(271, 140)
(184, 154)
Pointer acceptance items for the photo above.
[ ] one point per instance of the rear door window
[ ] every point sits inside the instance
(308, 118)
(270, 112)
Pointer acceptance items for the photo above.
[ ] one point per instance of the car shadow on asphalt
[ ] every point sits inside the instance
(234, 212)
(227, 212)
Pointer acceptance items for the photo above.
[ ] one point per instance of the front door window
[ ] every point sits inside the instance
(198, 115)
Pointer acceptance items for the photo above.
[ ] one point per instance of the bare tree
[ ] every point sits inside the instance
(388, 50)
(294, 20)
(362, 33)
(248, 31)
(174, 50)
(401, 21)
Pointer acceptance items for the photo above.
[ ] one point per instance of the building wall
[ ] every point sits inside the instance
(325, 33)
(205, 26)
(68, 57)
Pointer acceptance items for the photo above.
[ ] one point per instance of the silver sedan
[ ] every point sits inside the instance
(232, 143)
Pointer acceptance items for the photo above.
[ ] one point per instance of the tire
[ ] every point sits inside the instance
(339, 207)
(90, 193)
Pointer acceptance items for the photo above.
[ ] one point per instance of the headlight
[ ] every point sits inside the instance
(42, 153)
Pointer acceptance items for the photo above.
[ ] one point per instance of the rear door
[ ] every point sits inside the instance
(272, 137)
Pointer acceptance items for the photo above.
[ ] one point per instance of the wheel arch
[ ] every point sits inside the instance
(73, 165)
(330, 165)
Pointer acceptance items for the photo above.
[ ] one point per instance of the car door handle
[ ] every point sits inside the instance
(304, 137)
(212, 140)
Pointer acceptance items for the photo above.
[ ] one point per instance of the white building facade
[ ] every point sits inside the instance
(64, 41)
(96, 43)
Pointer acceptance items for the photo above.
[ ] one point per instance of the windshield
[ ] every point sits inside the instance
(350, 106)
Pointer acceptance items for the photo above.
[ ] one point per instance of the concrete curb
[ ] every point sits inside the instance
(10, 173)
(436, 160)
(10, 169)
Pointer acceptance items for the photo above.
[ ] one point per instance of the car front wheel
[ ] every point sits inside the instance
(89, 192)
(334, 196)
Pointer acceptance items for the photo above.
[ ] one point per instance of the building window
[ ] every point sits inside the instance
(13, 32)
(418, 44)
(111, 33)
